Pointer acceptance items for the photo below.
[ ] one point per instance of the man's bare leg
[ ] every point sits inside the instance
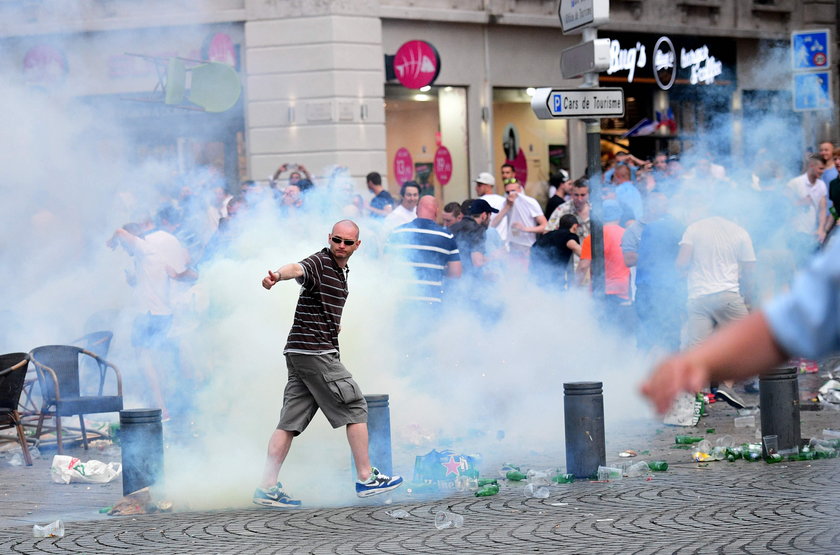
(278, 448)
(357, 437)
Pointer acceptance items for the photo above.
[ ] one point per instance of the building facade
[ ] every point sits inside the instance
(320, 86)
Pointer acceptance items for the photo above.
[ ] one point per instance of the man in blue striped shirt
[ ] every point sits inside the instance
(429, 250)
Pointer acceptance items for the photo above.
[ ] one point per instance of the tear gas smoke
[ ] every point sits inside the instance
(454, 383)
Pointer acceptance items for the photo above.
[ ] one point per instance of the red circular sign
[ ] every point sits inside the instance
(443, 165)
(219, 48)
(403, 166)
(820, 59)
(416, 64)
(44, 65)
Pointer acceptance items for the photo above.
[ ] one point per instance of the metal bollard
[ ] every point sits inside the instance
(141, 440)
(583, 408)
(779, 402)
(379, 432)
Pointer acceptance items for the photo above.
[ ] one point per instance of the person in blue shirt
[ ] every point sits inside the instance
(430, 252)
(804, 322)
(626, 194)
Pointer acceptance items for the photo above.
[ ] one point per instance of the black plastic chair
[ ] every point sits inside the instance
(12, 375)
(57, 367)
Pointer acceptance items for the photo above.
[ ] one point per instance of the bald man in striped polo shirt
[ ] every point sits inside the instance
(317, 378)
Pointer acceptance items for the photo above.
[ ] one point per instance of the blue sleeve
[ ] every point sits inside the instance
(806, 320)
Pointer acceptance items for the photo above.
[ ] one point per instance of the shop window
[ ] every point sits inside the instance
(426, 140)
(536, 148)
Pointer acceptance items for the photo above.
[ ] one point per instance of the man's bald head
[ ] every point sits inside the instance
(427, 208)
(347, 229)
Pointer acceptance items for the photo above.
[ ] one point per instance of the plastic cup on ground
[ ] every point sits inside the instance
(537, 491)
(51, 530)
(609, 473)
(445, 519)
(771, 444)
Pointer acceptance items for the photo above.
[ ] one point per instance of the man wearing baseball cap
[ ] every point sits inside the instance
(470, 234)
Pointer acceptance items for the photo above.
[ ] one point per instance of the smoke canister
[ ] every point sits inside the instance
(779, 401)
(141, 440)
(379, 432)
(583, 408)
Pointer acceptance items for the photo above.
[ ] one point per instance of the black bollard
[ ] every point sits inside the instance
(779, 401)
(141, 440)
(583, 408)
(379, 432)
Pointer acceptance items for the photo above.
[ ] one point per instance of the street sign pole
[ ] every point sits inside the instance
(593, 170)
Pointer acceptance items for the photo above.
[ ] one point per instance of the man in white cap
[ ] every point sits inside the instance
(485, 187)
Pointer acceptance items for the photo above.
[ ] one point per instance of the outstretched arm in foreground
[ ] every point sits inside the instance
(740, 350)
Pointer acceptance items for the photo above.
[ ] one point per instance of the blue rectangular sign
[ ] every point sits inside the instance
(810, 49)
(812, 91)
(557, 102)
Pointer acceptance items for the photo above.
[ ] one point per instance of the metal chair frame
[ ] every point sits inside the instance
(51, 393)
(13, 415)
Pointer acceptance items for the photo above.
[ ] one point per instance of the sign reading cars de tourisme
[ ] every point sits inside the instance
(416, 64)
(597, 102)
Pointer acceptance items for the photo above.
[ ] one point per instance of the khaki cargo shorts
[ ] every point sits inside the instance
(320, 382)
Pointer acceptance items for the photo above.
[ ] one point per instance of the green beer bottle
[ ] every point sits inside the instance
(564, 478)
(487, 481)
(487, 491)
(687, 440)
(658, 466)
(515, 476)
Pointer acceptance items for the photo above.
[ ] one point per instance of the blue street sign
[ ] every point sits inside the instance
(812, 91)
(557, 100)
(810, 49)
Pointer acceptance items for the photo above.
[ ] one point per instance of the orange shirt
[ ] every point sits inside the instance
(617, 274)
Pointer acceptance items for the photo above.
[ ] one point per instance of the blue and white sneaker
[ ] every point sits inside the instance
(275, 497)
(377, 483)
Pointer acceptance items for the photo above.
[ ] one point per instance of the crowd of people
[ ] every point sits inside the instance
(682, 240)
(688, 245)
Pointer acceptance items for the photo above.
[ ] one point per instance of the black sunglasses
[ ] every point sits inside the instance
(339, 240)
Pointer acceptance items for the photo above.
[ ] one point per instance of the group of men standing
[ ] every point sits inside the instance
(713, 256)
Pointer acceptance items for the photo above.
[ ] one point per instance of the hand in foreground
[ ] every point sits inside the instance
(673, 376)
(271, 279)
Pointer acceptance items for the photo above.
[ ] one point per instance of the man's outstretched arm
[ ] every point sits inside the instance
(290, 271)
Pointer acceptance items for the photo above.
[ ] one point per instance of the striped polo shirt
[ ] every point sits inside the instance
(318, 314)
(426, 247)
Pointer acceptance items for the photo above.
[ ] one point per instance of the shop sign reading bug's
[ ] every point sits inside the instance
(693, 63)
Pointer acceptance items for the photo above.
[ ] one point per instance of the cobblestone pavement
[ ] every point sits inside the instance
(719, 507)
(743, 507)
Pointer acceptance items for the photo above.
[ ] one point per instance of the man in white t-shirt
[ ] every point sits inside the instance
(160, 262)
(406, 210)
(485, 187)
(809, 194)
(525, 221)
(717, 255)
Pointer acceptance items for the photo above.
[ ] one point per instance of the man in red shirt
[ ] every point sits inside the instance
(616, 272)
